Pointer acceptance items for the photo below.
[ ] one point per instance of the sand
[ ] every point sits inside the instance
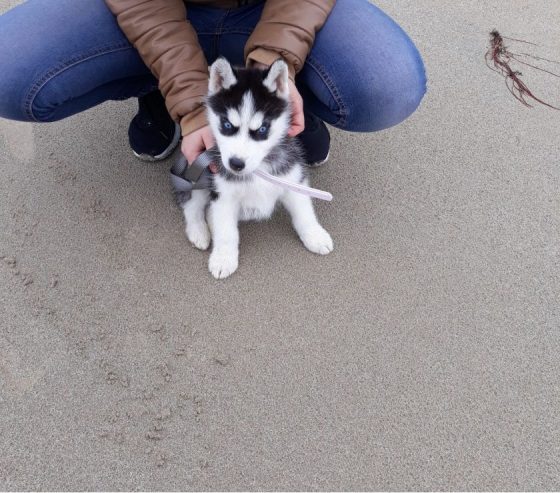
(421, 354)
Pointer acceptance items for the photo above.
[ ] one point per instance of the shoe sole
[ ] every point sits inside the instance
(167, 152)
(319, 163)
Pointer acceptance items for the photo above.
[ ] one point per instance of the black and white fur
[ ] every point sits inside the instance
(249, 114)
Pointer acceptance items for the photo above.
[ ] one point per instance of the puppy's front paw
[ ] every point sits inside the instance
(199, 235)
(318, 240)
(223, 263)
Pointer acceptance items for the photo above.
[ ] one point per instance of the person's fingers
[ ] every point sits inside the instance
(196, 143)
(297, 127)
(209, 141)
(191, 150)
(298, 121)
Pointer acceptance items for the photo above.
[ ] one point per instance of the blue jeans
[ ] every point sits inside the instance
(60, 57)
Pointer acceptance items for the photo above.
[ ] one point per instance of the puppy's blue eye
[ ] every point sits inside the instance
(227, 125)
(263, 129)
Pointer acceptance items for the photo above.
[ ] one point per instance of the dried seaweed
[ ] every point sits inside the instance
(499, 57)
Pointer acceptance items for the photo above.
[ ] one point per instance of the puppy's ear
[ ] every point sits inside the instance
(221, 76)
(276, 79)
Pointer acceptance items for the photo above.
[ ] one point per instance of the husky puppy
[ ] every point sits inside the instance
(249, 114)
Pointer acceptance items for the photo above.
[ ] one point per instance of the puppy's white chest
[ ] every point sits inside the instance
(257, 200)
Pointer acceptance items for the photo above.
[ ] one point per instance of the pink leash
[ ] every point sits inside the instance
(185, 178)
(295, 187)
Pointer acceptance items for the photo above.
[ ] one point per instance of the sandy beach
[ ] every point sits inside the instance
(421, 354)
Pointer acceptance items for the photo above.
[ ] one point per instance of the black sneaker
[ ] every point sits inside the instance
(315, 140)
(152, 134)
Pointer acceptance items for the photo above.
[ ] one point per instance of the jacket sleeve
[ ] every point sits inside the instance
(168, 44)
(287, 29)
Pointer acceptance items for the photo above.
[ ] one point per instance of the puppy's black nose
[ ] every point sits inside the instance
(236, 164)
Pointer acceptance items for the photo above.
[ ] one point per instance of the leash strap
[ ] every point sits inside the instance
(295, 187)
(197, 176)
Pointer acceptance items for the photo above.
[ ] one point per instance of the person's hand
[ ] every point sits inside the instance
(296, 101)
(196, 143)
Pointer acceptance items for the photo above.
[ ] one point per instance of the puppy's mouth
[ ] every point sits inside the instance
(236, 174)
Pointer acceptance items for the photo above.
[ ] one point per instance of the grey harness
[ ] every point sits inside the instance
(197, 176)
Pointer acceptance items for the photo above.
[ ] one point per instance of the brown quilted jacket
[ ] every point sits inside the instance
(168, 44)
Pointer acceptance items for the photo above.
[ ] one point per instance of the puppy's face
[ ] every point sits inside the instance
(248, 112)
